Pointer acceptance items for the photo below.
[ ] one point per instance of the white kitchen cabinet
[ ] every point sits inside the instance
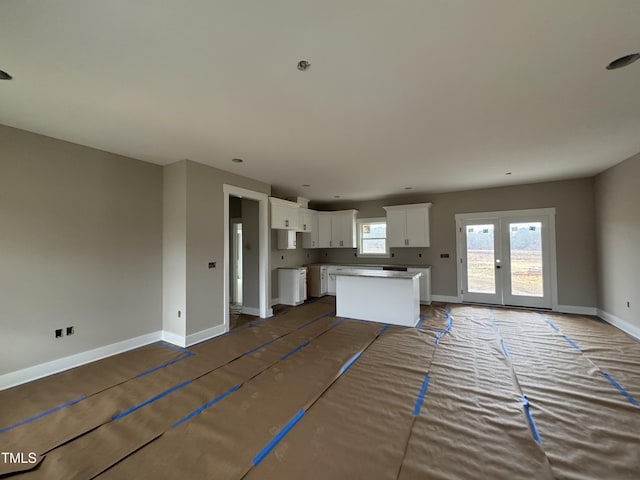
(305, 220)
(408, 225)
(287, 240)
(284, 214)
(425, 284)
(311, 239)
(324, 229)
(292, 285)
(343, 229)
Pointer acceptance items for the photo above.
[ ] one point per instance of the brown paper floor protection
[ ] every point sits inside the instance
(307, 395)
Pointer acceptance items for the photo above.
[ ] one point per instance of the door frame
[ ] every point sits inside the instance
(263, 254)
(550, 213)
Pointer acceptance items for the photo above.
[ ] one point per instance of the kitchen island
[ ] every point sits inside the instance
(379, 296)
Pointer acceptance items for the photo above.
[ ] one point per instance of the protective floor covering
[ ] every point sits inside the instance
(471, 392)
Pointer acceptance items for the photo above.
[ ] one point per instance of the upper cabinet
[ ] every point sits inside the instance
(311, 239)
(408, 225)
(343, 229)
(284, 214)
(324, 229)
(305, 220)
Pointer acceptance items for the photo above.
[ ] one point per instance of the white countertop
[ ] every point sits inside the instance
(378, 273)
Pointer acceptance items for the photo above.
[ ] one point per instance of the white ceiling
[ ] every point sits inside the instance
(435, 95)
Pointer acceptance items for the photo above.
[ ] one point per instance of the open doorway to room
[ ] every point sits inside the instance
(246, 256)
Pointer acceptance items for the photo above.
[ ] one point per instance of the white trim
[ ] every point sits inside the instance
(203, 335)
(506, 213)
(265, 239)
(173, 338)
(29, 374)
(445, 298)
(576, 309)
(623, 325)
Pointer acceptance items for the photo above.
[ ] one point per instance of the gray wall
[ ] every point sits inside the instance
(575, 232)
(250, 254)
(618, 233)
(81, 243)
(205, 242)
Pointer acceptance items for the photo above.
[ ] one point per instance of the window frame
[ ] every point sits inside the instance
(363, 221)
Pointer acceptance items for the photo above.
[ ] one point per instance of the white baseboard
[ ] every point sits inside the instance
(251, 311)
(203, 335)
(445, 298)
(29, 374)
(575, 309)
(623, 325)
(174, 338)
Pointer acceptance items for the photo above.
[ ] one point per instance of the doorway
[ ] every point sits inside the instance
(507, 258)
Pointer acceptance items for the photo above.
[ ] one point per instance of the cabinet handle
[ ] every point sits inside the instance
(330, 243)
(304, 227)
(340, 242)
(286, 223)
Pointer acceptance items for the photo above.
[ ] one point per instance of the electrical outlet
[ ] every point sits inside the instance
(69, 331)
(419, 255)
(212, 264)
(628, 304)
(59, 333)
(179, 313)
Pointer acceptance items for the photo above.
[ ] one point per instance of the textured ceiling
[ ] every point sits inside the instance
(433, 95)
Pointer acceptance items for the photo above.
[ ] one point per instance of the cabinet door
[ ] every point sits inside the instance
(337, 235)
(396, 228)
(310, 239)
(286, 240)
(417, 227)
(305, 223)
(324, 230)
(348, 230)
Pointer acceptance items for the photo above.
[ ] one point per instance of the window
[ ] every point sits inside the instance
(372, 237)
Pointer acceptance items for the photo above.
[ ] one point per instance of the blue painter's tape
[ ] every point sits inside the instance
(154, 369)
(275, 440)
(420, 399)
(532, 423)
(505, 349)
(571, 342)
(619, 387)
(299, 347)
(552, 325)
(151, 400)
(348, 365)
(386, 327)
(43, 414)
(420, 322)
(260, 347)
(201, 409)
(437, 340)
(339, 322)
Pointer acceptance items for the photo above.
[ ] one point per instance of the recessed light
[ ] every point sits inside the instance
(408, 188)
(336, 196)
(303, 65)
(623, 61)
(237, 160)
(4, 75)
(306, 185)
(508, 173)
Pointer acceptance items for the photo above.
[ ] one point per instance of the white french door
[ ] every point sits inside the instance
(507, 258)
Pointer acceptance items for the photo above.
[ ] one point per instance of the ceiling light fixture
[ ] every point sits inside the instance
(303, 65)
(4, 75)
(623, 61)
(237, 160)
(336, 196)
(306, 185)
(508, 173)
(408, 188)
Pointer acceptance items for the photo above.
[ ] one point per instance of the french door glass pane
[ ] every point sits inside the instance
(481, 269)
(525, 242)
